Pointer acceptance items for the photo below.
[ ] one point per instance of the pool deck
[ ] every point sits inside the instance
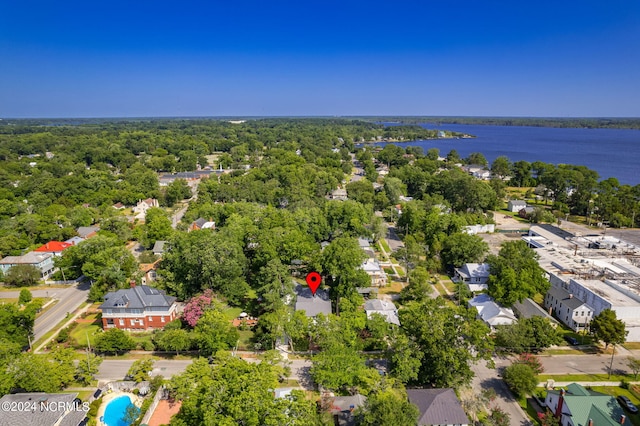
(137, 401)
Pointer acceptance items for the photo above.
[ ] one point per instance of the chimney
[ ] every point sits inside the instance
(622, 419)
(590, 422)
(560, 402)
(570, 295)
(132, 283)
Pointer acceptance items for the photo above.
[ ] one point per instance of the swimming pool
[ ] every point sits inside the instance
(115, 413)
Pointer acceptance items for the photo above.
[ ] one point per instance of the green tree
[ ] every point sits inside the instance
(389, 407)
(521, 379)
(276, 284)
(214, 332)
(340, 261)
(87, 368)
(634, 366)
(157, 227)
(22, 276)
(527, 335)
(515, 274)
(140, 370)
(113, 341)
(176, 191)
(501, 167)
(461, 248)
(340, 368)
(25, 296)
(607, 328)
(173, 340)
(451, 338)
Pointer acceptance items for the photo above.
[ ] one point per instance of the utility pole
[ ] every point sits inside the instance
(613, 347)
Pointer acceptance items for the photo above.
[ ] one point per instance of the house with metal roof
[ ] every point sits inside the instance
(492, 313)
(383, 308)
(578, 406)
(138, 308)
(438, 407)
(474, 275)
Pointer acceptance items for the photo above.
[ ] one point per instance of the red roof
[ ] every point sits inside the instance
(53, 246)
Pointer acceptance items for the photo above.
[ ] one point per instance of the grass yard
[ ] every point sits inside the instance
(615, 378)
(245, 343)
(631, 345)
(385, 245)
(87, 327)
(394, 288)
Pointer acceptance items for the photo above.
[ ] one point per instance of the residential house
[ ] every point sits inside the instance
(140, 210)
(39, 408)
(526, 212)
(149, 272)
(54, 247)
(438, 407)
(529, 309)
(383, 308)
(514, 206)
(492, 313)
(338, 194)
(159, 247)
(578, 406)
(74, 240)
(570, 310)
(376, 273)
(119, 206)
(474, 275)
(479, 229)
(138, 308)
(313, 305)
(42, 261)
(201, 223)
(342, 408)
(87, 231)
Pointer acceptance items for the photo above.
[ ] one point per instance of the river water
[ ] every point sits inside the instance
(610, 152)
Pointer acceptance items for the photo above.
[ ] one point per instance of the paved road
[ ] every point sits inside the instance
(586, 364)
(487, 378)
(111, 369)
(69, 300)
(392, 238)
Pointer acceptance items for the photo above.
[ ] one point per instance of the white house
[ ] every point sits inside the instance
(474, 275)
(384, 308)
(514, 206)
(375, 272)
(492, 313)
(42, 261)
(140, 210)
(570, 310)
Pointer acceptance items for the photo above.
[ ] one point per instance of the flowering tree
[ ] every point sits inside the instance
(532, 361)
(196, 307)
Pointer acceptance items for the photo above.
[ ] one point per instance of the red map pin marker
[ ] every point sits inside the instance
(313, 281)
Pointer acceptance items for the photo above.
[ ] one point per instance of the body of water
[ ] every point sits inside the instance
(610, 152)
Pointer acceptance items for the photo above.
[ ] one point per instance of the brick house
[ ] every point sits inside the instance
(138, 308)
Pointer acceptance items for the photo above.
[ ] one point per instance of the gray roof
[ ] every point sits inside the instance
(346, 403)
(384, 308)
(41, 417)
(312, 305)
(83, 231)
(31, 258)
(138, 297)
(529, 309)
(438, 407)
(565, 297)
(199, 222)
(158, 247)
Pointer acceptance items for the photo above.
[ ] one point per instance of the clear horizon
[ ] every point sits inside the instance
(351, 58)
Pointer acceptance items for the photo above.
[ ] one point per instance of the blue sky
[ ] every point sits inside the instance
(211, 58)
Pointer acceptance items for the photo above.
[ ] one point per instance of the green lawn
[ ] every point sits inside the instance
(245, 343)
(615, 378)
(385, 245)
(83, 330)
(232, 313)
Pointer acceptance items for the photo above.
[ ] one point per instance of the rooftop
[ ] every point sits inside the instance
(30, 258)
(312, 305)
(138, 297)
(438, 407)
(38, 416)
(53, 246)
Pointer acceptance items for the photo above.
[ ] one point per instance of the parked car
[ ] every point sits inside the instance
(572, 340)
(627, 404)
